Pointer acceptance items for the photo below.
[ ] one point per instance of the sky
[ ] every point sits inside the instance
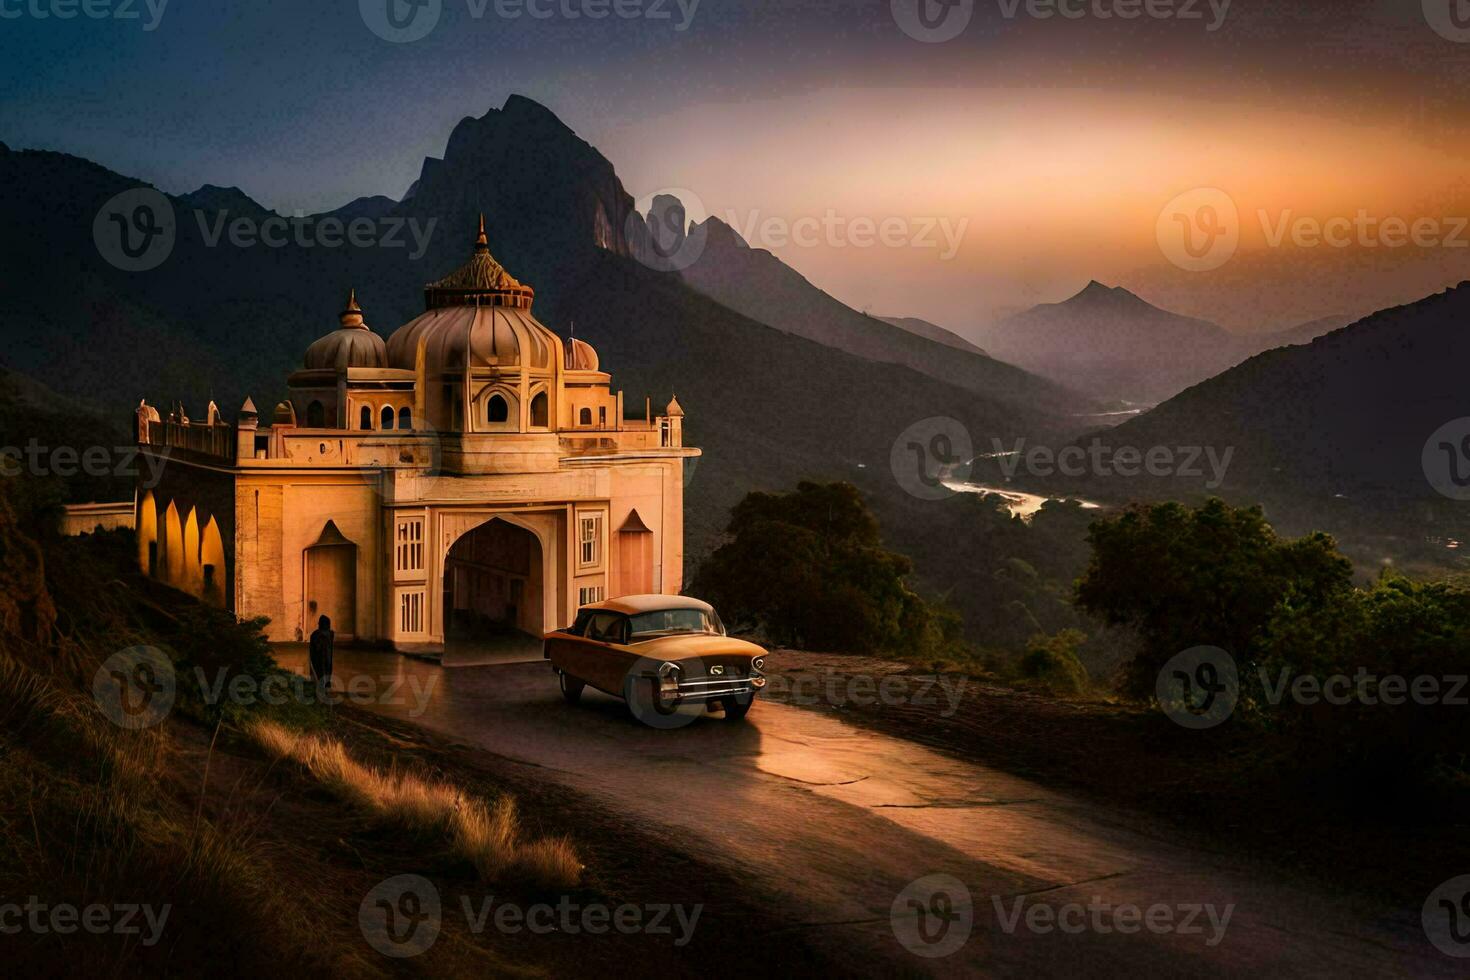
(954, 179)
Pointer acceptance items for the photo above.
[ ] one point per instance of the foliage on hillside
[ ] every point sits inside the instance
(1288, 614)
(809, 569)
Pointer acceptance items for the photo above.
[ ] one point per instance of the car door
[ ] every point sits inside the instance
(601, 659)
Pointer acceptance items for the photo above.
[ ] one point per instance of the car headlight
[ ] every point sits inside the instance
(668, 678)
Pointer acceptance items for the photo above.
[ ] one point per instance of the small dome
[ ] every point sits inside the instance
(352, 345)
(581, 356)
(284, 414)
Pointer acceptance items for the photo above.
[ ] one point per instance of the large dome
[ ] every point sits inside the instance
(352, 345)
(498, 336)
(483, 305)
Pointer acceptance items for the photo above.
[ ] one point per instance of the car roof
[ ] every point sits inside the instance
(632, 605)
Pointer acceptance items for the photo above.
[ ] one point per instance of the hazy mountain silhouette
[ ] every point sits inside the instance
(1110, 343)
(212, 198)
(1304, 333)
(932, 331)
(374, 207)
(717, 261)
(222, 321)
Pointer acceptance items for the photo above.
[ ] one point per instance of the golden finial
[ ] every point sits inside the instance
(481, 242)
(352, 316)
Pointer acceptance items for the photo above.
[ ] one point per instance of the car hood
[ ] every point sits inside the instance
(686, 647)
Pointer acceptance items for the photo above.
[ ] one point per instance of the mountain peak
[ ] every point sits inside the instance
(1096, 292)
(212, 197)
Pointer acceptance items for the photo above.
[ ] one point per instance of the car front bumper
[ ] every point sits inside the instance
(705, 689)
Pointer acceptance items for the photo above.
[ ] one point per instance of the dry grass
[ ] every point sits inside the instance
(487, 835)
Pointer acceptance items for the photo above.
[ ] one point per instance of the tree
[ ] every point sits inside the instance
(810, 570)
(1215, 576)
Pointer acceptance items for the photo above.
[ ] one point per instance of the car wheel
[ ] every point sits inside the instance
(736, 708)
(571, 688)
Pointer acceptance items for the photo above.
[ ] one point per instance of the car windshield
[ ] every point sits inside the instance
(666, 621)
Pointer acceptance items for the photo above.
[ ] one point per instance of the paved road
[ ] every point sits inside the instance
(834, 822)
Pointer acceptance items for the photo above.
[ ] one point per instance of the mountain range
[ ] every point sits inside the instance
(220, 320)
(781, 381)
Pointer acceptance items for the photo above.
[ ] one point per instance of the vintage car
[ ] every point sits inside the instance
(667, 656)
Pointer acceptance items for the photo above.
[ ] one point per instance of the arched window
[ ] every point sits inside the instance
(365, 417)
(387, 416)
(499, 410)
(316, 416)
(405, 418)
(585, 418)
(538, 411)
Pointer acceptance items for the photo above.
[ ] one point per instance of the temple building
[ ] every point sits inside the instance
(473, 476)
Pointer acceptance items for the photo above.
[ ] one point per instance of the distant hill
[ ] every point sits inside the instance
(1304, 333)
(213, 198)
(1329, 434)
(373, 207)
(932, 331)
(1111, 344)
(754, 282)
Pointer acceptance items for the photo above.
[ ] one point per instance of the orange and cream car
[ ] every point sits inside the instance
(667, 656)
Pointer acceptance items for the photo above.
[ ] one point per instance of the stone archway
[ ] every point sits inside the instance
(493, 591)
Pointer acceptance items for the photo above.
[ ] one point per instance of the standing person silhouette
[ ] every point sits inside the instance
(321, 654)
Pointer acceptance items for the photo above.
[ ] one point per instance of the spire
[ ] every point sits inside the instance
(482, 244)
(352, 316)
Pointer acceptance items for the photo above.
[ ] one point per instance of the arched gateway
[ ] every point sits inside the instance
(472, 476)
